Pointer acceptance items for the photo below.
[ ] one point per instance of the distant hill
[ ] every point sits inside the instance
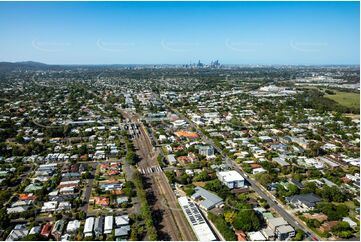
(25, 65)
(38, 66)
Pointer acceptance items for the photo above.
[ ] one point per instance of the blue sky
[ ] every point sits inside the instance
(180, 32)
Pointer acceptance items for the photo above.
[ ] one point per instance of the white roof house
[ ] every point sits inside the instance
(265, 139)
(273, 223)
(65, 237)
(19, 209)
(17, 234)
(256, 236)
(121, 220)
(49, 206)
(67, 190)
(281, 228)
(21, 203)
(162, 138)
(88, 227)
(171, 159)
(281, 161)
(179, 123)
(313, 162)
(258, 170)
(35, 230)
(328, 162)
(69, 183)
(73, 226)
(232, 179)
(350, 222)
(352, 161)
(108, 224)
(64, 205)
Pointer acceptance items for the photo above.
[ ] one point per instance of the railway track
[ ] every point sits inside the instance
(174, 222)
(170, 201)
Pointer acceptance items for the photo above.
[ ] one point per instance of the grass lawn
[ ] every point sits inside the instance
(253, 195)
(347, 99)
(201, 184)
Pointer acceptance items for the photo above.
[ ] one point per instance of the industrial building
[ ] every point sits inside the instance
(196, 220)
(205, 199)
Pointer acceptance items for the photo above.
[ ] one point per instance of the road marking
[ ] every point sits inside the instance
(149, 170)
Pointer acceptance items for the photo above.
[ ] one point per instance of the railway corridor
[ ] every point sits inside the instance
(170, 220)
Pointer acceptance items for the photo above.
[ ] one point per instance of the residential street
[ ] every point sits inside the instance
(254, 184)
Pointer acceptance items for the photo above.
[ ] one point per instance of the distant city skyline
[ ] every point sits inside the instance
(264, 33)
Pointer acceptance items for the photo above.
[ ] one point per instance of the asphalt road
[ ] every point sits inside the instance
(88, 189)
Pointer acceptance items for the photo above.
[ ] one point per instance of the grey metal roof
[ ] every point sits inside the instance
(122, 231)
(281, 161)
(210, 199)
(309, 199)
(98, 225)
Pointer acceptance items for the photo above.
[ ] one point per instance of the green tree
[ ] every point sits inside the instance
(299, 235)
(343, 230)
(229, 216)
(222, 226)
(129, 189)
(218, 187)
(292, 189)
(131, 157)
(86, 175)
(334, 212)
(265, 178)
(309, 187)
(34, 237)
(4, 219)
(332, 194)
(171, 176)
(247, 167)
(247, 220)
(313, 223)
(202, 176)
(184, 179)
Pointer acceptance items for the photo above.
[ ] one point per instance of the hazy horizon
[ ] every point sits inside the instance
(175, 64)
